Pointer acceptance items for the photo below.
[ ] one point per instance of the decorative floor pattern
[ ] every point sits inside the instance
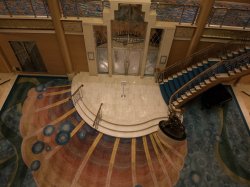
(217, 155)
(90, 158)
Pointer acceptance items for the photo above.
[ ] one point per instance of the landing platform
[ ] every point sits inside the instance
(132, 113)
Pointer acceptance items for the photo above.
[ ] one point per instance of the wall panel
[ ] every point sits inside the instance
(77, 52)
(46, 43)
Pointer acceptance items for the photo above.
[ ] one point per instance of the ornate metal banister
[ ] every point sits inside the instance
(213, 70)
(210, 51)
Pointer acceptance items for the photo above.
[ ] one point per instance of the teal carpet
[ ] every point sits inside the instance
(218, 146)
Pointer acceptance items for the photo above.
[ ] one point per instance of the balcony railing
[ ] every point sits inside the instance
(221, 16)
(179, 13)
(25, 7)
(85, 8)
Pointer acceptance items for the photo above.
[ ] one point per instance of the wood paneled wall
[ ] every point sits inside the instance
(49, 50)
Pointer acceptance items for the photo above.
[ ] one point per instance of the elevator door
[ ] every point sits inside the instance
(126, 61)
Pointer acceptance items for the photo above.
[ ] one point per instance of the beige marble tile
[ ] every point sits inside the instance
(143, 102)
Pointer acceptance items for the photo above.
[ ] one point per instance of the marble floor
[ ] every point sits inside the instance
(132, 106)
(7, 80)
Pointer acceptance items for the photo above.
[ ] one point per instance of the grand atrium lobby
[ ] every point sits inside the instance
(125, 93)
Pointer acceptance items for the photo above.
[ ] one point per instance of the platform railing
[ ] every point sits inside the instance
(98, 117)
(77, 94)
(230, 65)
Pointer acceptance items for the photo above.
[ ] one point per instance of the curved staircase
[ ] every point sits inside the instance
(183, 86)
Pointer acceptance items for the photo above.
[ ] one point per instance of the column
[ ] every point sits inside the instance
(90, 45)
(56, 16)
(205, 9)
(165, 47)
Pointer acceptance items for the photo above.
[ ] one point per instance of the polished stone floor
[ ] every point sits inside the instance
(130, 104)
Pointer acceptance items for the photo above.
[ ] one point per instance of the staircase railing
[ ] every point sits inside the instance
(230, 65)
(212, 50)
(98, 117)
(77, 95)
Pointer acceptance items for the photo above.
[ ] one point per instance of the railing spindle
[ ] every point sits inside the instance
(6, 6)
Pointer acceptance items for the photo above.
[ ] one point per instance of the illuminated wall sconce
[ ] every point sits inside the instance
(163, 60)
(91, 56)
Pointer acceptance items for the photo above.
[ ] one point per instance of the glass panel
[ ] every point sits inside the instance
(126, 61)
(119, 58)
(154, 44)
(102, 52)
(134, 62)
(151, 61)
(28, 56)
(102, 60)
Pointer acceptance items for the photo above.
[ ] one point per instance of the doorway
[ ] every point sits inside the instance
(126, 61)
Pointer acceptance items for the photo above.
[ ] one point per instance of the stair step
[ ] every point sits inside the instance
(188, 93)
(247, 48)
(237, 70)
(179, 100)
(207, 81)
(243, 68)
(242, 50)
(236, 53)
(223, 57)
(213, 59)
(171, 85)
(176, 82)
(164, 94)
(202, 84)
(183, 97)
(212, 78)
(231, 73)
(197, 87)
(179, 74)
(167, 89)
(192, 90)
(230, 55)
(175, 103)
